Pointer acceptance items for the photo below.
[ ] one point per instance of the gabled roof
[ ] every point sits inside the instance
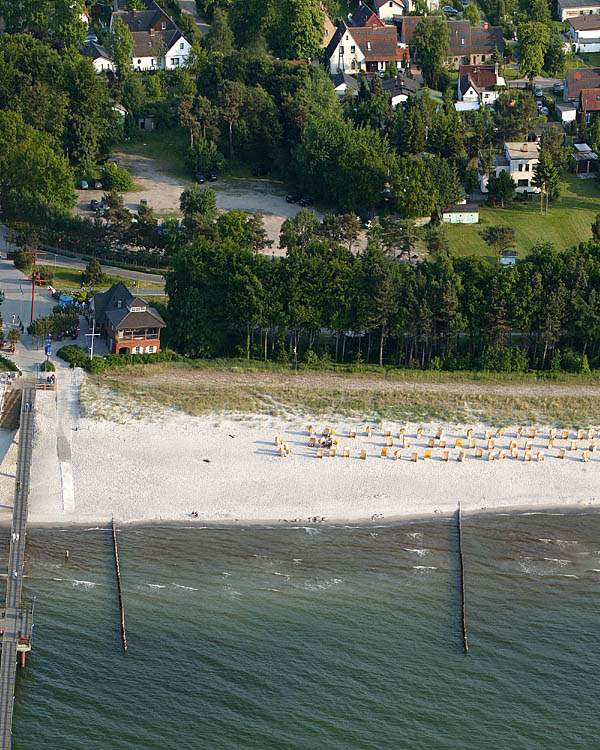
(95, 51)
(364, 16)
(379, 43)
(335, 40)
(569, 4)
(114, 305)
(481, 77)
(400, 84)
(589, 100)
(149, 45)
(343, 78)
(109, 300)
(578, 79)
(123, 318)
(381, 3)
(144, 20)
(463, 38)
(585, 23)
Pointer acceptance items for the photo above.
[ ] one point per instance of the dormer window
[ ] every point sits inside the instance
(368, 45)
(163, 25)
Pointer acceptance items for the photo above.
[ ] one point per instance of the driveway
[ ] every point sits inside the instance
(162, 191)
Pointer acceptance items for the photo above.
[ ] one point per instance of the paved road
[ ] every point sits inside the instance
(64, 260)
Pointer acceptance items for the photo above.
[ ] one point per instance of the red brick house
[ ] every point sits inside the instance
(127, 323)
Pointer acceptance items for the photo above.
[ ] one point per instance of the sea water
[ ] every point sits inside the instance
(315, 637)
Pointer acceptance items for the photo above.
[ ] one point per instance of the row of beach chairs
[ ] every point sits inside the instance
(532, 433)
(414, 455)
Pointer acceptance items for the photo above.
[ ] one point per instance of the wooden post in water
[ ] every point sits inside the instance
(462, 583)
(116, 548)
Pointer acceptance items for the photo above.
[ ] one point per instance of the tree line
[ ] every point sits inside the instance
(354, 306)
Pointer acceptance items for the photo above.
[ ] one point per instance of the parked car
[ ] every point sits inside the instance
(537, 91)
(450, 10)
(91, 37)
(200, 178)
(306, 201)
(97, 185)
(544, 111)
(558, 88)
(540, 104)
(94, 205)
(292, 198)
(260, 170)
(83, 185)
(212, 177)
(143, 202)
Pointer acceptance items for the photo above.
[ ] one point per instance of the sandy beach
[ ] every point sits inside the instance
(227, 471)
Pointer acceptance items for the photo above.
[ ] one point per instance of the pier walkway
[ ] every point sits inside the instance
(16, 623)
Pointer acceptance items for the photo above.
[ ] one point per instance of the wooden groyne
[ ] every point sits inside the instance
(462, 584)
(118, 570)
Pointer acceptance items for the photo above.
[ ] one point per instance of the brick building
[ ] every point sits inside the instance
(127, 323)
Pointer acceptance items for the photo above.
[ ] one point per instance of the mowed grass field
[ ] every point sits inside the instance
(64, 277)
(568, 222)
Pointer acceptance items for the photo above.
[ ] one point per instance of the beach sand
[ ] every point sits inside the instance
(229, 470)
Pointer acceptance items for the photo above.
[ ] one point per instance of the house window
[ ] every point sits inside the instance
(181, 45)
(482, 58)
(163, 25)
(341, 50)
(352, 49)
(153, 62)
(368, 45)
(520, 167)
(523, 183)
(527, 167)
(136, 350)
(139, 62)
(151, 349)
(175, 61)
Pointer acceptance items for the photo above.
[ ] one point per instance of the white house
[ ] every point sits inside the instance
(461, 213)
(571, 8)
(344, 84)
(519, 160)
(479, 83)
(368, 48)
(585, 33)
(100, 58)
(158, 43)
(399, 88)
(392, 10)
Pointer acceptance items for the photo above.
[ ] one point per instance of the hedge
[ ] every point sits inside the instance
(47, 366)
(78, 358)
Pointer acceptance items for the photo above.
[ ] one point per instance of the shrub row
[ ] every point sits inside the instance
(76, 357)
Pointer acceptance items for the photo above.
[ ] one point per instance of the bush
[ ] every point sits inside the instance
(22, 260)
(504, 360)
(47, 366)
(569, 361)
(204, 156)
(116, 178)
(96, 365)
(6, 365)
(73, 354)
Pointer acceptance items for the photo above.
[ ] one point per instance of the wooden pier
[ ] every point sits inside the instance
(462, 584)
(17, 623)
(118, 572)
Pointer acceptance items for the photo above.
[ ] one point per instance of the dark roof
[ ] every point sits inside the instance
(363, 16)
(144, 20)
(578, 79)
(340, 78)
(481, 77)
(124, 319)
(508, 253)
(335, 39)
(95, 51)
(379, 43)
(104, 301)
(463, 38)
(578, 3)
(461, 208)
(590, 100)
(147, 45)
(580, 23)
(400, 84)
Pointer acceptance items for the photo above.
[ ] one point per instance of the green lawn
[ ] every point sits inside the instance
(70, 278)
(568, 223)
(592, 59)
(168, 147)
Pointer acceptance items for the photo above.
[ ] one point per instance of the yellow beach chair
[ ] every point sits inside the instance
(346, 453)
(527, 456)
(414, 456)
(427, 456)
(540, 456)
(363, 455)
(384, 452)
(445, 455)
(319, 452)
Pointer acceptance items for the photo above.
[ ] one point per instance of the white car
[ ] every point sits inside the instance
(544, 111)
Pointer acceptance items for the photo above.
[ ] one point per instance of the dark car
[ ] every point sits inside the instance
(292, 198)
(260, 170)
(97, 185)
(199, 178)
(143, 202)
(94, 205)
(212, 177)
(306, 201)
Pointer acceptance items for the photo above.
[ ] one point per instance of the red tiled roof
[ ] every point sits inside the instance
(464, 39)
(590, 100)
(578, 79)
(383, 43)
(482, 77)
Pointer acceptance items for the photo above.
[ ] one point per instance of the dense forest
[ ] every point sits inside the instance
(324, 300)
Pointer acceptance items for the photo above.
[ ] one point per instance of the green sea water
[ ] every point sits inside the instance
(317, 637)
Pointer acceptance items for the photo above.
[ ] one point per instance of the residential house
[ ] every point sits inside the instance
(393, 10)
(127, 323)
(508, 257)
(368, 48)
(399, 88)
(364, 16)
(101, 59)
(566, 111)
(578, 79)
(519, 160)
(589, 103)
(158, 43)
(461, 213)
(479, 83)
(570, 8)
(585, 33)
(468, 44)
(345, 84)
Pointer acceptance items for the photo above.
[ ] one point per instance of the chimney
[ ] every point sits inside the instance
(151, 32)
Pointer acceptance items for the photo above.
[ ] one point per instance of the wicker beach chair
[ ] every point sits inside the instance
(431, 443)
(320, 452)
(442, 444)
(414, 457)
(585, 456)
(346, 453)
(389, 442)
(387, 433)
(478, 452)
(384, 452)
(573, 446)
(562, 453)
(458, 443)
(427, 455)
(312, 442)
(352, 434)
(527, 456)
(445, 455)
(461, 457)
(363, 455)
